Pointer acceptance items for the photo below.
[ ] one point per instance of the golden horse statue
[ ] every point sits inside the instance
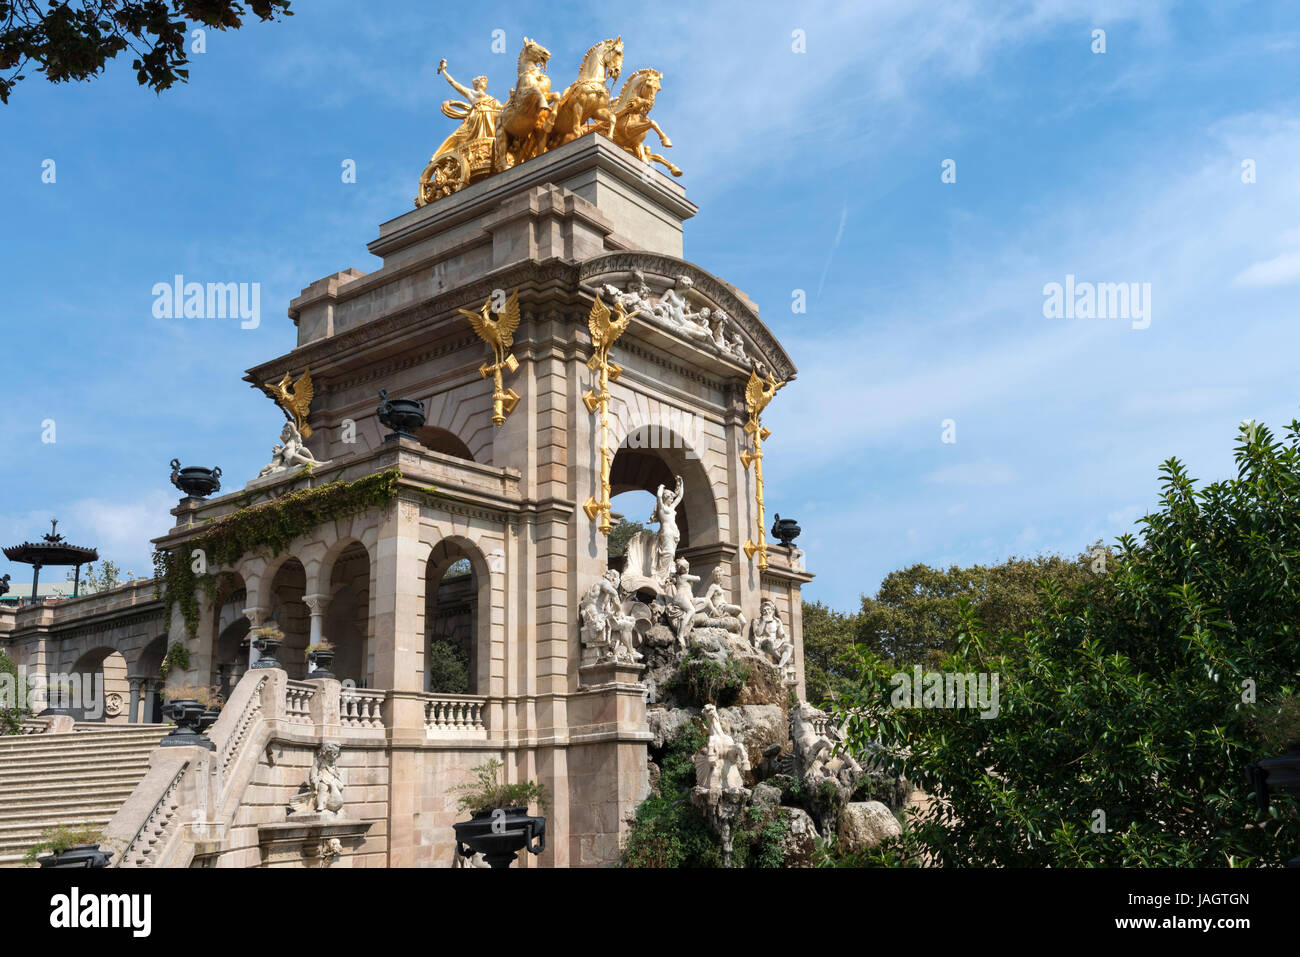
(587, 98)
(525, 120)
(632, 117)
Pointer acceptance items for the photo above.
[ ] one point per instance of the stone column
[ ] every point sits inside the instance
(256, 616)
(316, 604)
(133, 715)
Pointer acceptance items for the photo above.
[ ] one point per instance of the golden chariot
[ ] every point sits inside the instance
(494, 137)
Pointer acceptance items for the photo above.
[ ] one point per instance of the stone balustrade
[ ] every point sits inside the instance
(361, 708)
(297, 702)
(454, 715)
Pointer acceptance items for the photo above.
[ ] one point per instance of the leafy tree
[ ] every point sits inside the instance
(1140, 695)
(620, 533)
(108, 576)
(448, 668)
(75, 39)
(828, 638)
(916, 612)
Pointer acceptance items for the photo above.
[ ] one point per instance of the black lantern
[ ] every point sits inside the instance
(194, 481)
(500, 834)
(403, 416)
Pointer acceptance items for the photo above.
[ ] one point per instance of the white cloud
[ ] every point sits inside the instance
(1278, 271)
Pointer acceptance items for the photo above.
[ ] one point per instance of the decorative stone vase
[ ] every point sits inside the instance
(785, 530)
(79, 855)
(403, 416)
(500, 834)
(194, 481)
(320, 662)
(188, 716)
(269, 647)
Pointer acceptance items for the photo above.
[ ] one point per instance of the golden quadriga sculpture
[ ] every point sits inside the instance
(493, 137)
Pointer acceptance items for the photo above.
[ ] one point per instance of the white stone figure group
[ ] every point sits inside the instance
(604, 626)
(768, 636)
(814, 749)
(292, 453)
(650, 555)
(712, 329)
(721, 763)
(323, 792)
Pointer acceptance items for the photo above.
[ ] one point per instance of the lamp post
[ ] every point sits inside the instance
(1282, 773)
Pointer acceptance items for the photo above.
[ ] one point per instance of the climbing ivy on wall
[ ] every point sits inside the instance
(271, 525)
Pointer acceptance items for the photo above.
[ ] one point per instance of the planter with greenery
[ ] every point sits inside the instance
(68, 847)
(319, 658)
(499, 825)
(193, 709)
(267, 640)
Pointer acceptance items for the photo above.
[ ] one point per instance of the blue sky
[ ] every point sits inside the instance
(818, 171)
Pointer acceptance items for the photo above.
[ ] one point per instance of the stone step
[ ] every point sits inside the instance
(45, 743)
(74, 785)
(64, 754)
(63, 804)
(55, 758)
(13, 777)
(60, 814)
(10, 830)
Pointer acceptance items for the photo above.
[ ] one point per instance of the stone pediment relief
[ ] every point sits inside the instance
(684, 300)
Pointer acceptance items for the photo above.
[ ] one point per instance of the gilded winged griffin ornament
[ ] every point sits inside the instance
(499, 334)
(294, 399)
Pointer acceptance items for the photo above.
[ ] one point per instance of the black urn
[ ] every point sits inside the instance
(403, 416)
(79, 855)
(500, 834)
(785, 530)
(194, 481)
(320, 662)
(269, 648)
(191, 720)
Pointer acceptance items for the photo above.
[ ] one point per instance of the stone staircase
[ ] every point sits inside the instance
(76, 779)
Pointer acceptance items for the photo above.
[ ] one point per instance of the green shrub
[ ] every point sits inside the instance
(487, 793)
(11, 718)
(669, 831)
(701, 680)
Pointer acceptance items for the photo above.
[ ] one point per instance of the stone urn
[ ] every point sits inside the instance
(188, 716)
(194, 481)
(785, 530)
(403, 416)
(499, 834)
(320, 661)
(79, 855)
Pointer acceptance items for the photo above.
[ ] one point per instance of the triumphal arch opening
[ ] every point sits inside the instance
(436, 515)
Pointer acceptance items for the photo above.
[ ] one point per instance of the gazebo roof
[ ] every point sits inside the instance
(51, 550)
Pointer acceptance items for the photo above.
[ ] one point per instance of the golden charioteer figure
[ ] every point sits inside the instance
(493, 137)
